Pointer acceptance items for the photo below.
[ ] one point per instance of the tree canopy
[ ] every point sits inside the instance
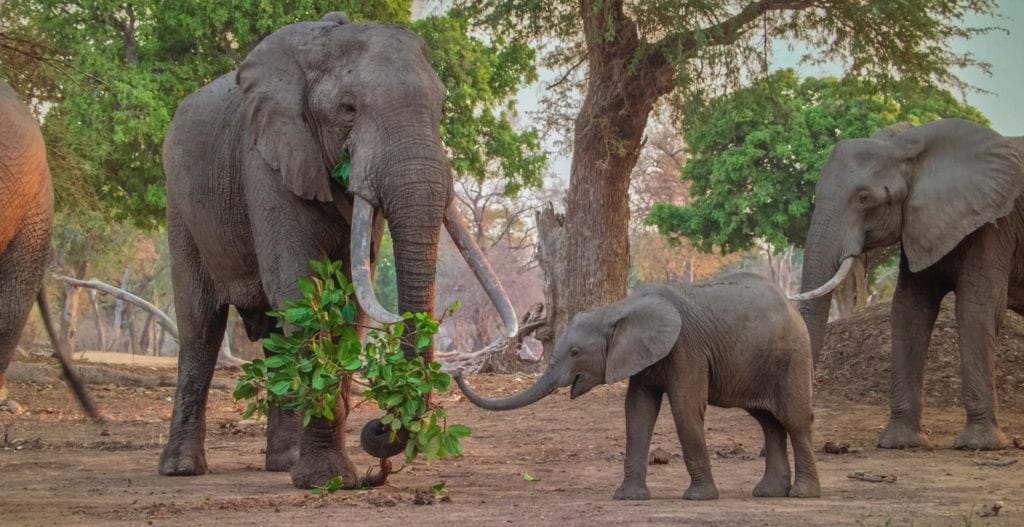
(108, 75)
(755, 154)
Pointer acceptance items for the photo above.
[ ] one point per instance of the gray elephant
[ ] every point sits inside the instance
(26, 219)
(950, 192)
(731, 342)
(250, 201)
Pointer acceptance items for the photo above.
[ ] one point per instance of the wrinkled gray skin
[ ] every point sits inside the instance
(250, 202)
(950, 192)
(732, 342)
(26, 219)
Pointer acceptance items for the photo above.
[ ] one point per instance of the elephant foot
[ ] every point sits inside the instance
(703, 491)
(805, 488)
(981, 436)
(772, 487)
(282, 460)
(317, 468)
(628, 491)
(898, 434)
(183, 458)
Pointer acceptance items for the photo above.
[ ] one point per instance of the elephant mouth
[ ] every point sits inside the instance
(579, 387)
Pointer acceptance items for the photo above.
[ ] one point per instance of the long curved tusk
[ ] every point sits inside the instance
(459, 232)
(362, 222)
(827, 287)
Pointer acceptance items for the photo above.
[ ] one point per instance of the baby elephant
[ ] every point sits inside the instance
(735, 341)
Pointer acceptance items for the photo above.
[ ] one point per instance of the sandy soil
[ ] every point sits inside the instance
(57, 468)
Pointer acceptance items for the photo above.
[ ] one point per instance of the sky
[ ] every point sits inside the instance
(1000, 96)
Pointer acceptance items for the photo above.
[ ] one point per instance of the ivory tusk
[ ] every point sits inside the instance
(362, 223)
(828, 286)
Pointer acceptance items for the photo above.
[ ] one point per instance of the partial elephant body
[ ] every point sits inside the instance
(251, 200)
(950, 192)
(732, 342)
(26, 220)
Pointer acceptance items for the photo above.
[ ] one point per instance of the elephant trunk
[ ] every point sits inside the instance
(826, 261)
(546, 384)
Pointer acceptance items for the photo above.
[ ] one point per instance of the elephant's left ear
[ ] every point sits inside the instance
(962, 175)
(646, 329)
(273, 88)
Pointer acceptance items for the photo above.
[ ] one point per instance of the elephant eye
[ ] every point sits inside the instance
(574, 352)
(863, 197)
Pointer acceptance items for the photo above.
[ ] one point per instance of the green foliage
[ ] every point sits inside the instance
(306, 368)
(755, 155)
(110, 73)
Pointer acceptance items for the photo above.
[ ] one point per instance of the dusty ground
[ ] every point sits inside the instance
(57, 468)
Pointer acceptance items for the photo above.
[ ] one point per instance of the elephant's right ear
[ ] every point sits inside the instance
(273, 97)
(646, 329)
(962, 176)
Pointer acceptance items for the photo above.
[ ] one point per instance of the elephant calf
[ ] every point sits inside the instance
(732, 342)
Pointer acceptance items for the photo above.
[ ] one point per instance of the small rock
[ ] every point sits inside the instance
(836, 448)
(11, 406)
(991, 509)
(105, 432)
(1018, 442)
(659, 456)
(424, 497)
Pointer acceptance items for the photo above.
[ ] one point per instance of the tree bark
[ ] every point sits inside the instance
(70, 311)
(551, 257)
(101, 334)
(622, 87)
(115, 329)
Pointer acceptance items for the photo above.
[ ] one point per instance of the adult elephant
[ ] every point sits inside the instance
(250, 201)
(950, 192)
(26, 219)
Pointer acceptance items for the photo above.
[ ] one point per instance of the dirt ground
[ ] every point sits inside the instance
(58, 468)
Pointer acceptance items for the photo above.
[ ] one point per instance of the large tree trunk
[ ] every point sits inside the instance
(101, 335)
(621, 92)
(115, 329)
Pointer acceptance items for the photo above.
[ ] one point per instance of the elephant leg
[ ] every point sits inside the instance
(201, 322)
(777, 477)
(322, 449)
(642, 406)
(283, 429)
(688, 412)
(980, 305)
(805, 481)
(21, 276)
(914, 309)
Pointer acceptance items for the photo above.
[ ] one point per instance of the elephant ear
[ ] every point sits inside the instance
(646, 329)
(962, 175)
(273, 88)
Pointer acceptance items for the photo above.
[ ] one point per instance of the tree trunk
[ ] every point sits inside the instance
(551, 258)
(623, 83)
(69, 314)
(115, 330)
(853, 292)
(101, 335)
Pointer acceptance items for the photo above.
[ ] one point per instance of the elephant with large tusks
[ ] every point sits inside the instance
(251, 200)
(731, 342)
(950, 192)
(26, 221)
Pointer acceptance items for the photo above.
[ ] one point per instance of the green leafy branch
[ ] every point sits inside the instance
(322, 353)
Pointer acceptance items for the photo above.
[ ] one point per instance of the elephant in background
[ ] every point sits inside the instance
(251, 200)
(26, 220)
(950, 192)
(731, 342)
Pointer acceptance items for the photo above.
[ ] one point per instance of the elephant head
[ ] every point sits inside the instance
(362, 98)
(927, 187)
(603, 346)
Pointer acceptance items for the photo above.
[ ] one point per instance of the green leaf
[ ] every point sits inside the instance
(275, 361)
(280, 387)
(528, 477)
(439, 487)
(459, 431)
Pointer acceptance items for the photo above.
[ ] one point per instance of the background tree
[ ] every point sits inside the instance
(755, 157)
(635, 52)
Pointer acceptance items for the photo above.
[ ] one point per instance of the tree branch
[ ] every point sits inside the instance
(121, 294)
